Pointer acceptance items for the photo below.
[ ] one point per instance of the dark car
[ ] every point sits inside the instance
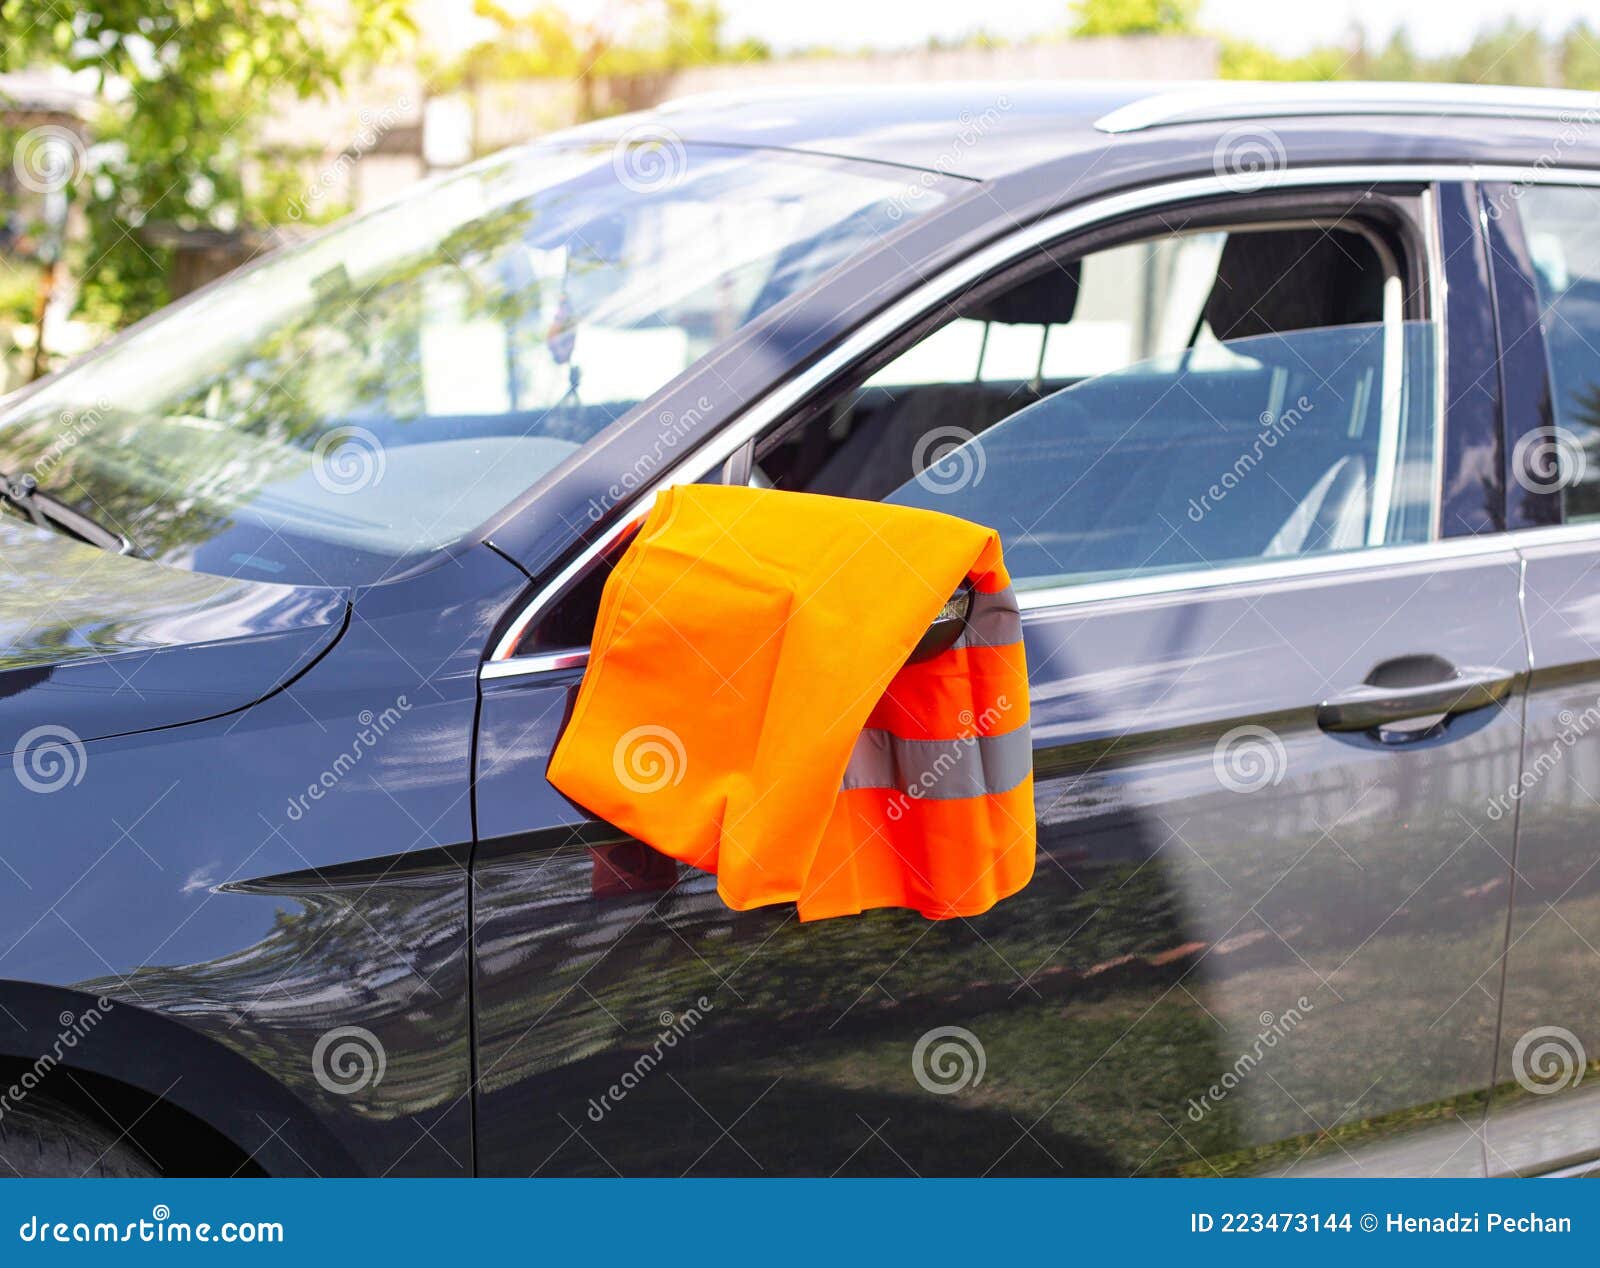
(1285, 402)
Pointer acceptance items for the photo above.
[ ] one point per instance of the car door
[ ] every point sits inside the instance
(1545, 1115)
(1275, 654)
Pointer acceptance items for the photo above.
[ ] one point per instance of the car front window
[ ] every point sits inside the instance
(1268, 447)
(366, 399)
(1172, 404)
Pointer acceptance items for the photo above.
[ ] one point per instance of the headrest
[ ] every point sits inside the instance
(1278, 280)
(1046, 299)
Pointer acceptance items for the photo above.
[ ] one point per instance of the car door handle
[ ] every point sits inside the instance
(1365, 708)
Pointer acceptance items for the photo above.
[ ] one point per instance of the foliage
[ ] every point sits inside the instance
(1514, 52)
(1578, 58)
(1396, 60)
(189, 81)
(1134, 17)
(1240, 59)
(635, 39)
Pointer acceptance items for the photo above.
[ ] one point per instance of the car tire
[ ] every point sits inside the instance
(41, 1139)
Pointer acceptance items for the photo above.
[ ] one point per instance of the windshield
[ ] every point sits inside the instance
(368, 398)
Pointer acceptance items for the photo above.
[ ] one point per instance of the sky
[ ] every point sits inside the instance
(1285, 26)
(1436, 26)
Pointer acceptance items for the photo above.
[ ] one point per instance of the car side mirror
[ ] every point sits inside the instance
(946, 628)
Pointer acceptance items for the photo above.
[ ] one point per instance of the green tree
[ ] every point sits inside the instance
(1242, 59)
(187, 82)
(1397, 60)
(627, 39)
(1134, 17)
(1512, 53)
(1579, 56)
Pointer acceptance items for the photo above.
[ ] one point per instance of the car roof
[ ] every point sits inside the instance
(985, 130)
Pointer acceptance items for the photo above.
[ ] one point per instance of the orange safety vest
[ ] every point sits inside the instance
(748, 708)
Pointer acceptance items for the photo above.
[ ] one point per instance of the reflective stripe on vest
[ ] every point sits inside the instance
(942, 769)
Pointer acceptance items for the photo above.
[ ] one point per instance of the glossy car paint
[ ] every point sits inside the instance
(264, 877)
(1555, 921)
(1172, 921)
(234, 919)
(88, 639)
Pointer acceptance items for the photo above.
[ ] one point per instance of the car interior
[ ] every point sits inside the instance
(1075, 465)
(1232, 409)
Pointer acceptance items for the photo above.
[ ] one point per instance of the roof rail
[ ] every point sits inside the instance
(1219, 102)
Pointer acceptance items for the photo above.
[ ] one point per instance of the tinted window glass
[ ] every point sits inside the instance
(1197, 399)
(1254, 449)
(1563, 230)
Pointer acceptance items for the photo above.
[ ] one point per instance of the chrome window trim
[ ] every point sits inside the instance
(1391, 397)
(1439, 307)
(540, 663)
(1157, 585)
(1150, 585)
(1221, 103)
(767, 410)
(1586, 532)
(1363, 559)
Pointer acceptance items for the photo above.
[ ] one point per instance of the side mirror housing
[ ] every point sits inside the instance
(946, 628)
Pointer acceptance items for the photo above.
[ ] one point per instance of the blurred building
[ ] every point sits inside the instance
(43, 122)
(393, 130)
(508, 113)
